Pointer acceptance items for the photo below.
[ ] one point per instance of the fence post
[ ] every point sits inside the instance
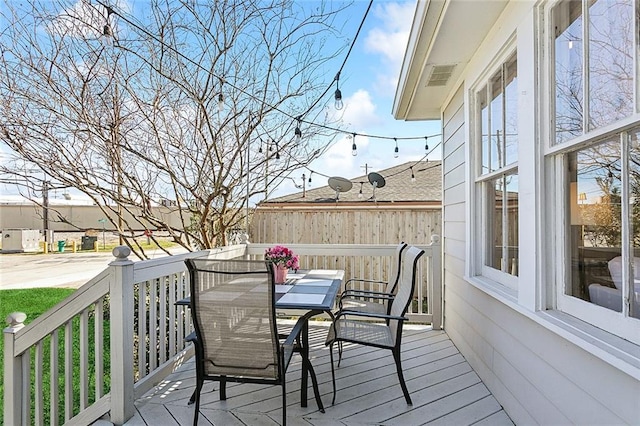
(13, 371)
(436, 275)
(121, 312)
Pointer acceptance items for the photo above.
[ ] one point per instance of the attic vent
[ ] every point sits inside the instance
(440, 74)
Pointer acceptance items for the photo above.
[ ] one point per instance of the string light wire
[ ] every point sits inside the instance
(299, 118)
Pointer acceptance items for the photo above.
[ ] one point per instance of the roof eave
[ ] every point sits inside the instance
(443, 33)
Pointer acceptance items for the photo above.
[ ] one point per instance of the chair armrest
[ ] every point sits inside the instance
(368, 294)
(183, 302)
(383, 296)
(289, 346)
(359, 280)
(369, 315)
(295, 332)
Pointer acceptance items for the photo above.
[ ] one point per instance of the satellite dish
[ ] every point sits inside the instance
(377, 181)
(339, 185)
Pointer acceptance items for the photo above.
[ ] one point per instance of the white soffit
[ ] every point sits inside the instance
(443, 38)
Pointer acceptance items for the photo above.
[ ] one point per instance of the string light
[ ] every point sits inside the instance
(360, 193)
(298, 132)
(221, 97)
(310, 173)
(413, 176)
(338, 94)
(252, 96)
(396, 152)
(426, 144)
(354, 148)
(277, 151)
(260, 149)
(107, 32)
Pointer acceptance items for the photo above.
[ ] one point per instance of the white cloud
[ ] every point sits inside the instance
(389, 40)
(360, 111)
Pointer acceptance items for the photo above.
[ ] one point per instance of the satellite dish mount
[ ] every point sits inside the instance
(377, 181)
(339, 185)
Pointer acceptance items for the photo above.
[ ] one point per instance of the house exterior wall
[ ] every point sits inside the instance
(540, 372)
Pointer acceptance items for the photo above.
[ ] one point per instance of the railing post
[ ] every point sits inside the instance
(13, 371)
(121, 312)
(436, 274)
(244, 239)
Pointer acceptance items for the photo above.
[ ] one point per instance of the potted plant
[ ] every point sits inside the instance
(283, 259)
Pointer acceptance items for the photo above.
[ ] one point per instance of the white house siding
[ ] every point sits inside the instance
(535, 371)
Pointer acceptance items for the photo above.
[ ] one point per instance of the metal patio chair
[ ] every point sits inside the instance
(354, 299)
(236, 335)
(358, 327)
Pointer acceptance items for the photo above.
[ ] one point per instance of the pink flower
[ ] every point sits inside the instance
(282, 256)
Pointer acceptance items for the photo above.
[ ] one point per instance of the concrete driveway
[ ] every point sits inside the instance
(27, 270)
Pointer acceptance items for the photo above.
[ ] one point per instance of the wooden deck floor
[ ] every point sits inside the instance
(444, 388)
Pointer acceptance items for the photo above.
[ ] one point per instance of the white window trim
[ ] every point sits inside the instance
(477, 269)
(557, 256)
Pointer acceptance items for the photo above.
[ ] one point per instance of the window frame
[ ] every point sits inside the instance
(555, 155)
(481, 183)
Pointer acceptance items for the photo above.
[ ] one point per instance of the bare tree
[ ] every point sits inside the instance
(191, 102)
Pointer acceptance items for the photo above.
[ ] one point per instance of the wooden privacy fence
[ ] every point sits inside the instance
(346, 226)
(121, 333)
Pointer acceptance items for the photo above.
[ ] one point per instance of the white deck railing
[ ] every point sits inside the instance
(130, 309)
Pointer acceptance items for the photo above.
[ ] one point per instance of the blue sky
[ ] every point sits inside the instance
(368, 84)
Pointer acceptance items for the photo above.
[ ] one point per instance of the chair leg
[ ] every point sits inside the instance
(339, 352)
(223, 388)
(284, 401)
(314, 382)
(333, 374)
(196, 414)
(396, 357)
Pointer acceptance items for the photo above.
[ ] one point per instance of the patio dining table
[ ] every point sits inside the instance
(313, 291)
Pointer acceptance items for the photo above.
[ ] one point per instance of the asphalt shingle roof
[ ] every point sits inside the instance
(398, 187)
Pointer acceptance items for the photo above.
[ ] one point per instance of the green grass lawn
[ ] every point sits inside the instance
(34, 302)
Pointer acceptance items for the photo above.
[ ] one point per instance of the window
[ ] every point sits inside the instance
(603, 184)
(604, 64)
(595, 136)
(497, 180)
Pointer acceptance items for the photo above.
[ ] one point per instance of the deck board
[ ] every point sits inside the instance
(444, 388)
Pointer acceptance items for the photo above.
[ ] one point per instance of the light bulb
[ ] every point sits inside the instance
(338, 97)
(220, 102)
(107, 35)
(354, 149)
(413, 177)
(298, 132)
(396, 153)
(426, 144)
(360, 193)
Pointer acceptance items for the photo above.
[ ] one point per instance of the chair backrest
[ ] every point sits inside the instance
(233, 310)
(615, 269)
(406, 286)
(394, 275)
